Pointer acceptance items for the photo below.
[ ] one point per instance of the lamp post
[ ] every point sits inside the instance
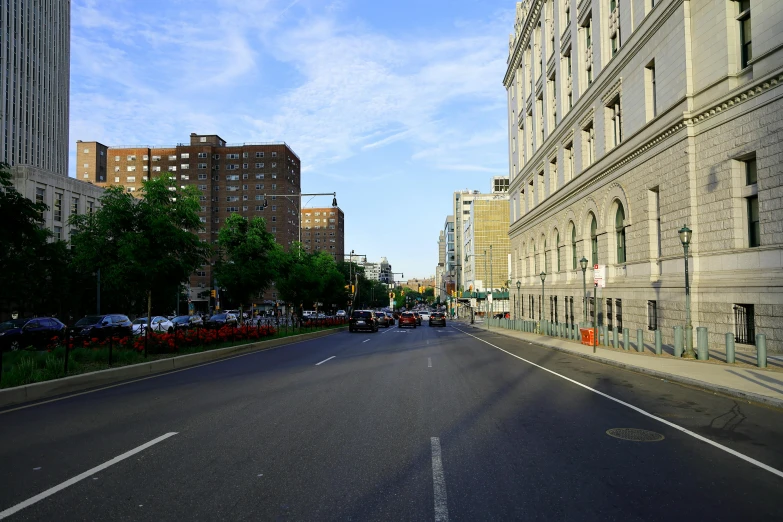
(685, 239)
(484, 255)
(541, 309)
(583, 265)
(516, 305)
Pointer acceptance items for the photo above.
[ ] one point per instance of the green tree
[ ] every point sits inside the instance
(305, 279)
(247, 258)
(142, 246)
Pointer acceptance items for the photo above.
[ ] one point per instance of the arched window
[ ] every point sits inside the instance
(557, 246)
(594, 238)
(573, 247)
(619, 228)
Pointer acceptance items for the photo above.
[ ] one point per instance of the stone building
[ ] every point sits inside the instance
(629, 119)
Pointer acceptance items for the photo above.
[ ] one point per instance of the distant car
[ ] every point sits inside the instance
(341, 313)
(184, 322)
(417, 315)
(218, 321)
(425, 315)
(37, 332)
(382, 319)
(437, 318)
(103, 326)
(407, 319)
(363, 320)
(390, 316)
(159, 325)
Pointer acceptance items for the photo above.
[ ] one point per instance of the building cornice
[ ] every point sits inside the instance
(524, 37)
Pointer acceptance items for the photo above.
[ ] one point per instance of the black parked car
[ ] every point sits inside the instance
(102, 326)
(184, 322)
(363, 320)
(218, 321)
(17, 334)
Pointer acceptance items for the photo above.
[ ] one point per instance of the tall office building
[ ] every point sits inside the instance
(628, 120)
(485, 240)
(34, 83)
(251, 179)
(323, 229)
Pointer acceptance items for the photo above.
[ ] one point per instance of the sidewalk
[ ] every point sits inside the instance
(742, 379)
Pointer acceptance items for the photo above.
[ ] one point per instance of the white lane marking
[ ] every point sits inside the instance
(387, 330)
(153, 376)
(429, 362)
(643, 412)
(366, 341)
(329, 359)
(439, 483)
(51, 491)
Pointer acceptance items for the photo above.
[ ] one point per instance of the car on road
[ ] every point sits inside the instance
(218, 321)
(425, 315)
(391, 318)
(340, 313)
(37, 332)
(103, 326)
(160, 324)
(184, 322)
(363, 320)
(437, 318)
(382, 319)
(406, 319)
(417, 315)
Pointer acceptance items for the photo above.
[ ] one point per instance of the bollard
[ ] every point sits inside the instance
(658, 343)
(639, 340)
(626, 339)
(702, 346)
(615, 337)
(730, 348)
(678, 341)
(761, 350)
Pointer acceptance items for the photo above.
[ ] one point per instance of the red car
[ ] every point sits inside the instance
(407, 319)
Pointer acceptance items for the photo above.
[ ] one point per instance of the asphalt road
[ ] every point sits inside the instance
(450, 423)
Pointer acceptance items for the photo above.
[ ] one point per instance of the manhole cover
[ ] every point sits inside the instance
(634, 434)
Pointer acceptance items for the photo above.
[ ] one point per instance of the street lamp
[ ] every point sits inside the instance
(484, 255)
(300, 196)
(541, 308)
(516, 305)
(583, 265)
(685, 239)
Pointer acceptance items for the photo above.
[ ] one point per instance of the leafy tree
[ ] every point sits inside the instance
(142, 245)
(305, 279)
(247, 258)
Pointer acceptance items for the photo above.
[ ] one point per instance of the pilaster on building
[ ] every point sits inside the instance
(627, 120)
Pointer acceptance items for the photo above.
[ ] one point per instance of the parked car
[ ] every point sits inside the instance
(417, 316)
(407, 319)
(437, 318)
(37, 332)
(218, 321)
(103, 326)
(425, 315)
(382, 319)
(184, 322)
(341, 313)
(390, 316)
(363, 320)
(160, 324)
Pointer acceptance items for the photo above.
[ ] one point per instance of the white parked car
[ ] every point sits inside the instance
(425, 315)
(159, 324)
(341, 313)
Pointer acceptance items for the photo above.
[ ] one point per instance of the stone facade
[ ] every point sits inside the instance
(681, 125)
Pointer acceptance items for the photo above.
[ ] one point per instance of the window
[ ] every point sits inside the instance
(609, 312)
(746, 47)
(245, 154)
(232, 188)
(573, 247)
(116, 179)
(588, 37)
(86, 165)
(232, 177)
(116, 169)
(744, 324)
(232, 166)
(588, 138)
(567, 66)
(74, 206)
(90, 207)
(614, 132)
(145, 168)
(232, 156)
(557, 246)
(202, 176)
(58, 233)
(652, 315)
(58, 206)
(274, 218)
(655, 210)
(553, 176)
(130, 179)
(184, 166)
(173, 168)
(116, 158)
(132, 158)
(651, 102)
(594, 239)
(274, 154)
(202, 187)
(619, 227)
(131, 168)
(185, 155)
(202, 155)
(202, 165)
(259, 176)
(754, 232)
(259, 197)
(614, 38)
(133, 189)
(259, 208)
(751, 176)
(216, 156)
(259, 154)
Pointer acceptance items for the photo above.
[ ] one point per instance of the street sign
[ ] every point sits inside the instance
(599, 275)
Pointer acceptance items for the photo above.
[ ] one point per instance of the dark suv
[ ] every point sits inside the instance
(437, 318)
(363, 320)
(102, 326)
(37, 332)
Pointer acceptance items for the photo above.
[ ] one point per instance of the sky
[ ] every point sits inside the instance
(393, 105)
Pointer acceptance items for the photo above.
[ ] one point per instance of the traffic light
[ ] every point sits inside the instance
(213, 293)
(353, 289)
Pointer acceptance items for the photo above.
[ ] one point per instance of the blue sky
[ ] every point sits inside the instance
(393, 105)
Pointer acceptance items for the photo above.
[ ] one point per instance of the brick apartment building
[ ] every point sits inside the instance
(232, 178)
(323, 229)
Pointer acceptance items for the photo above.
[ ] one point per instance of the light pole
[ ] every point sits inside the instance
(300, 196)
(516, 305)
(541, 309)
(685, 238)
(583, 265)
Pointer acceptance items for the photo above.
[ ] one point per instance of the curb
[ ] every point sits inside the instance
(86, 381)
(724, 390)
